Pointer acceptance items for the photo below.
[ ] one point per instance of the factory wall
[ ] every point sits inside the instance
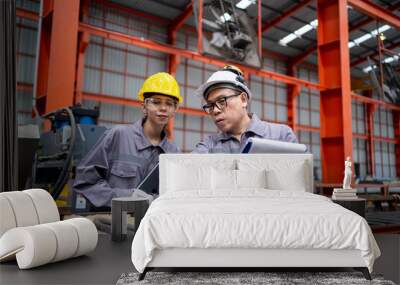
(26, 36)
(117, 69)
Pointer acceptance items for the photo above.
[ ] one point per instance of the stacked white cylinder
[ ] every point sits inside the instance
(31, 230)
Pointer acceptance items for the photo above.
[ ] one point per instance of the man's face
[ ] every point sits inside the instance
(232, 111)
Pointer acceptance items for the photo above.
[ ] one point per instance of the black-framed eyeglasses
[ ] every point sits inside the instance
(221, 103)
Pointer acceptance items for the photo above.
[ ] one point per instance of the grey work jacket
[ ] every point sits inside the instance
(225, 143)
(118, 162)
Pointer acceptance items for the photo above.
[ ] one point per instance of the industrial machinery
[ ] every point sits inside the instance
(383, 75)
(73, 133)
(229, 32)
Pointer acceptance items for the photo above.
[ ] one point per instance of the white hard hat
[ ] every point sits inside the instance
(225, 78)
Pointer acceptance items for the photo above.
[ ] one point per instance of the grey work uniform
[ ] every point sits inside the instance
(119, 161)
(225, 143)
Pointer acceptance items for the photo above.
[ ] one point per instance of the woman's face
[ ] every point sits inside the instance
(159, 109)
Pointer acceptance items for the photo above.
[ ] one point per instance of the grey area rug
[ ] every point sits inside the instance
(229, 278)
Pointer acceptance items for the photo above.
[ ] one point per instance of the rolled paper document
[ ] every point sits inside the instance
(257, 145)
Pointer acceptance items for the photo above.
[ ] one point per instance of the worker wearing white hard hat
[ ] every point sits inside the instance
(227, 98)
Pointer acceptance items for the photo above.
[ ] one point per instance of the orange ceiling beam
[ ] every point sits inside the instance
(144, 43)
(301, 57)
(27, 14)
(132, 11)
(364, 58)
(376, 12)
(372, 101)
(178, 22)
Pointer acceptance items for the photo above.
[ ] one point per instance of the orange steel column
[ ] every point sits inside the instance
(293, 93)
(396, 125)
(57, 55)
(83, 43)
(371, 144)
(334, 75)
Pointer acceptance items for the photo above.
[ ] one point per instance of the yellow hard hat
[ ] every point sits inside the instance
(161, 83)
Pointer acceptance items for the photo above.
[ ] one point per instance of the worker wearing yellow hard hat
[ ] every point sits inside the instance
(125, 154)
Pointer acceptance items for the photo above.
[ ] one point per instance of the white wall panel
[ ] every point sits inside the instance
(191, 139)
(114, 59)
(269, 111)
(136, 64)
(282, 95)
(113, 84)
(281, 113)
(178, 139)
(93, 55)
(157, 65)
(132, 114)
(194, 76)
(91, 82)
(304, 118)
(26, 69)
(256, 108)
(209, 125)
(191, 100)
(178, 121)
(193, 122)
(132, 87)
(111, 112)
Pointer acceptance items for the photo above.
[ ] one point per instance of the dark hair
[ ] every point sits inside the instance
(150, 94)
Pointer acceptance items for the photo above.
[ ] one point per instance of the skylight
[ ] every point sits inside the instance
(299, 32)
(368, 36)
(386, 60)
(314, 24)
(243, 4)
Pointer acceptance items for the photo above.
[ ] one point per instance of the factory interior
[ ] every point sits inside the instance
(141, 139)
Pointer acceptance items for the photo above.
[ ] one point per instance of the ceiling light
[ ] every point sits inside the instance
(243, 4)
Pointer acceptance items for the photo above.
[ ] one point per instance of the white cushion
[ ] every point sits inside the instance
(251, 179)
(187, 177)
(284, 174)
(7, 218)
(23, 208)
(26, 208)
(87, 235)
(45, 206)
(291, 178)
(67, 240)
(40, 244)
(237, 179)
(224, 179)
(33, 246)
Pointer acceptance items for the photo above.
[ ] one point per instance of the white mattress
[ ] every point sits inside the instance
(252, 218)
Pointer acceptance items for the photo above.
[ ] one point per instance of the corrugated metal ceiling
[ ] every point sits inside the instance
(273, 9)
